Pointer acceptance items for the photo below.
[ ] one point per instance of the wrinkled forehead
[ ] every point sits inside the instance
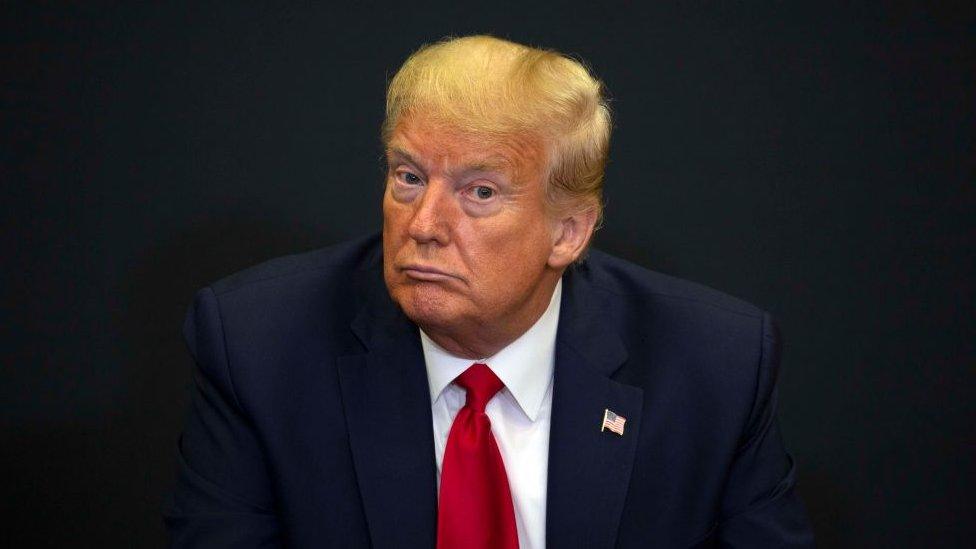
(436, 145)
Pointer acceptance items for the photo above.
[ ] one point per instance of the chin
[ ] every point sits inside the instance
(427, 304)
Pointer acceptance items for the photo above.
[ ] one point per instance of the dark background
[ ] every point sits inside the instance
(817, 161)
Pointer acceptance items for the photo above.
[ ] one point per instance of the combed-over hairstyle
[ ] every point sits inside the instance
(498, 90)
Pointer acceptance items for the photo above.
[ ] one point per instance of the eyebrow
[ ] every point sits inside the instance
(398, 152)
(493, 163)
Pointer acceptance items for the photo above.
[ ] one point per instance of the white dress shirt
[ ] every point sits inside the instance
(519, 413)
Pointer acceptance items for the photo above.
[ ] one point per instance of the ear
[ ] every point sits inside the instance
(570, 236)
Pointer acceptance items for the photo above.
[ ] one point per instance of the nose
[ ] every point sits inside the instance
(433, 214)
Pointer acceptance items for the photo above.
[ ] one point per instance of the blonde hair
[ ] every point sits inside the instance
(499, 90)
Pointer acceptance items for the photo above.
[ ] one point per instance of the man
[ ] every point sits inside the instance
(468, 380)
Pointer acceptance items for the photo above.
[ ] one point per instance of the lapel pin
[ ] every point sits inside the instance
(613, 422)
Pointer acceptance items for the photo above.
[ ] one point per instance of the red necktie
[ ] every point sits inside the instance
(475, 509)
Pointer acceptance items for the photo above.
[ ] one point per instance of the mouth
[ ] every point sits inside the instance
(423, 272)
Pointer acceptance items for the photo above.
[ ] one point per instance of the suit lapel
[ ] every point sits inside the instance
(387, 405)
(589, 470)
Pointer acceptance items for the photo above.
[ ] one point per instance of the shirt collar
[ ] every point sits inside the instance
(525, 365)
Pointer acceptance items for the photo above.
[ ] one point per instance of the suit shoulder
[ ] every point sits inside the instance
(344, 257)
(624, 278)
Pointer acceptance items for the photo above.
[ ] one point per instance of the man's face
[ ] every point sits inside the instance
(467, 237)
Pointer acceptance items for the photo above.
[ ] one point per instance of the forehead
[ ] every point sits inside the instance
(441, 146)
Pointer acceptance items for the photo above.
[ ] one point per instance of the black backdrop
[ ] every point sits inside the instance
(816, 161)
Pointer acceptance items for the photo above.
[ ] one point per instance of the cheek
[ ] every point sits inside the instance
(394, 218)
(509, 260)
(389, 205)
(394, 234)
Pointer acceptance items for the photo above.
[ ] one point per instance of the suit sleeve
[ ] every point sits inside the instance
(760, 507)
(222, 496)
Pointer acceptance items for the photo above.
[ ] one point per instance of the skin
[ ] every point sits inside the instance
(471, 252)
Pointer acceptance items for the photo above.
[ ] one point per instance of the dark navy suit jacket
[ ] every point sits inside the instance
(311, 422)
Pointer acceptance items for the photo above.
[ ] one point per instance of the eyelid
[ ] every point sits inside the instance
(401, 170)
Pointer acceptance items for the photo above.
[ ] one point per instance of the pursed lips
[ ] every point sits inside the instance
(423, 272)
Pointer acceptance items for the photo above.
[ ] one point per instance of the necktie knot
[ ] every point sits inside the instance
(481, 385)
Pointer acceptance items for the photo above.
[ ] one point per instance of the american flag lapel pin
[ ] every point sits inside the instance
(613, 422)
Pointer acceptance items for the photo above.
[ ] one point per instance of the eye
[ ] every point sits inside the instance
(484, 193)
(409, 178)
